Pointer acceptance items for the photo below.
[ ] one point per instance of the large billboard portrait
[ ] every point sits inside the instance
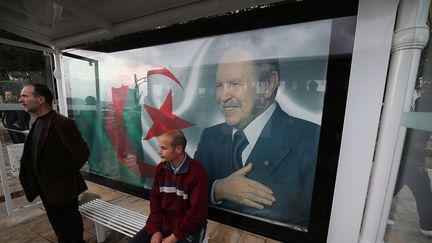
(250, 104)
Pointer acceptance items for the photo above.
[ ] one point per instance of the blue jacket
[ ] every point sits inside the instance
(284, 159)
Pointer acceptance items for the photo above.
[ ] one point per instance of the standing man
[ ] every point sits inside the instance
(412, 169)
(261, 161)
(15, 119)
(179, 196)
(53, 154)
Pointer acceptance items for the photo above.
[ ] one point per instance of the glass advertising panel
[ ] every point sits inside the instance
(271, 84)
(19, 66)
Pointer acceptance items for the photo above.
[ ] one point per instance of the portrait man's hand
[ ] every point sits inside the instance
(239, 189)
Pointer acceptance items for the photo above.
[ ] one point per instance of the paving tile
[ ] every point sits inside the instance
(36, 226)
(404, 214)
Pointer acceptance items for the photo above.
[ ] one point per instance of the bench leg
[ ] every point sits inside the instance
(100, 233)
(205, 240)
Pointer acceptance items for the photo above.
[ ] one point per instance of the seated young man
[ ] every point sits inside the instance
(179, 196)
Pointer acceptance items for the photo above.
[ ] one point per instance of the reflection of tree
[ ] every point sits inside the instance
(119, 98)
(137, 92)
(20, 59)
(306, 93)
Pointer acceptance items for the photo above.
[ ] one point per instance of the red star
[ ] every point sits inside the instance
(163, 119)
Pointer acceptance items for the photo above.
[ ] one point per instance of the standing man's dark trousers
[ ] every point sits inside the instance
(65, 220)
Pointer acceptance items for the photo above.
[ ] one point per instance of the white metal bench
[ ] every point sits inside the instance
(122, 220)
(14, 154)
(108, 215)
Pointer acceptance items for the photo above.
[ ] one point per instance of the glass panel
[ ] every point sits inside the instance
(18, 66)
(270, 82)
(410, 217)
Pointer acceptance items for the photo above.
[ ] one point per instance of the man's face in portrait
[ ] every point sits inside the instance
(236, 91)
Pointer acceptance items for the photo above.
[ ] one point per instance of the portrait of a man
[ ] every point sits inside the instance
(261, 161)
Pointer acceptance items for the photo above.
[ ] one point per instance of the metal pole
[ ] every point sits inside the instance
(61, 87)
(369, 68)
(5, 183)
(410, 38)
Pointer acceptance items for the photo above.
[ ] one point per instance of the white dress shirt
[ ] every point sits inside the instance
(254, 129)
(252, 132)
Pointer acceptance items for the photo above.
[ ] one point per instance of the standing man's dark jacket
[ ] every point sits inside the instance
(61, 152)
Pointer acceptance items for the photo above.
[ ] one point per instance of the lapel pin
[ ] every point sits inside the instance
(266, 162)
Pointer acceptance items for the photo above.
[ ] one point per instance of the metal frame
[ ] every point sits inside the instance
(3, 173)
(373, 38)
(6, 190)
(411, 36)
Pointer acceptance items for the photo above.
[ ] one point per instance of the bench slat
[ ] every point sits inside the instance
(99, 203)
(109, 219)
(120, 215)
(114, 227)
(112, 216)
(112, 206)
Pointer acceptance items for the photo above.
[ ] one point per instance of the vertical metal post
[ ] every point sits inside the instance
(100, 232)
(5, 183)
(371, 53)
(61, 87)
(410, 38)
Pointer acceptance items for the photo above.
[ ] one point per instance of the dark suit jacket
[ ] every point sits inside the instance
(61, 154)
(283, 158)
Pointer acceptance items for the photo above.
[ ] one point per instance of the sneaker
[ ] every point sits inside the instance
(427, 233)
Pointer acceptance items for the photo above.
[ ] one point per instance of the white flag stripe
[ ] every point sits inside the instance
(171, 189)
(182, 194)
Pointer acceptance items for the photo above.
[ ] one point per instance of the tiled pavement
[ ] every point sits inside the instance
(33, 226)
(404, 214)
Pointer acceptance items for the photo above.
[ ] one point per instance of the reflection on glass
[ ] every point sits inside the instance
(412, 204)
(27, 66)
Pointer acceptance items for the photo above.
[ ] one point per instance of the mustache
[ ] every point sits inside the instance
(229, 104)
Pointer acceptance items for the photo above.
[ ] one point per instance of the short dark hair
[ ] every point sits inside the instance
(178, 138)
(42, 90)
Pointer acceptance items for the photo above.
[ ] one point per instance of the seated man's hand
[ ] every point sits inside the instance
(239, 189)
(170, 239)
(156, 237)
